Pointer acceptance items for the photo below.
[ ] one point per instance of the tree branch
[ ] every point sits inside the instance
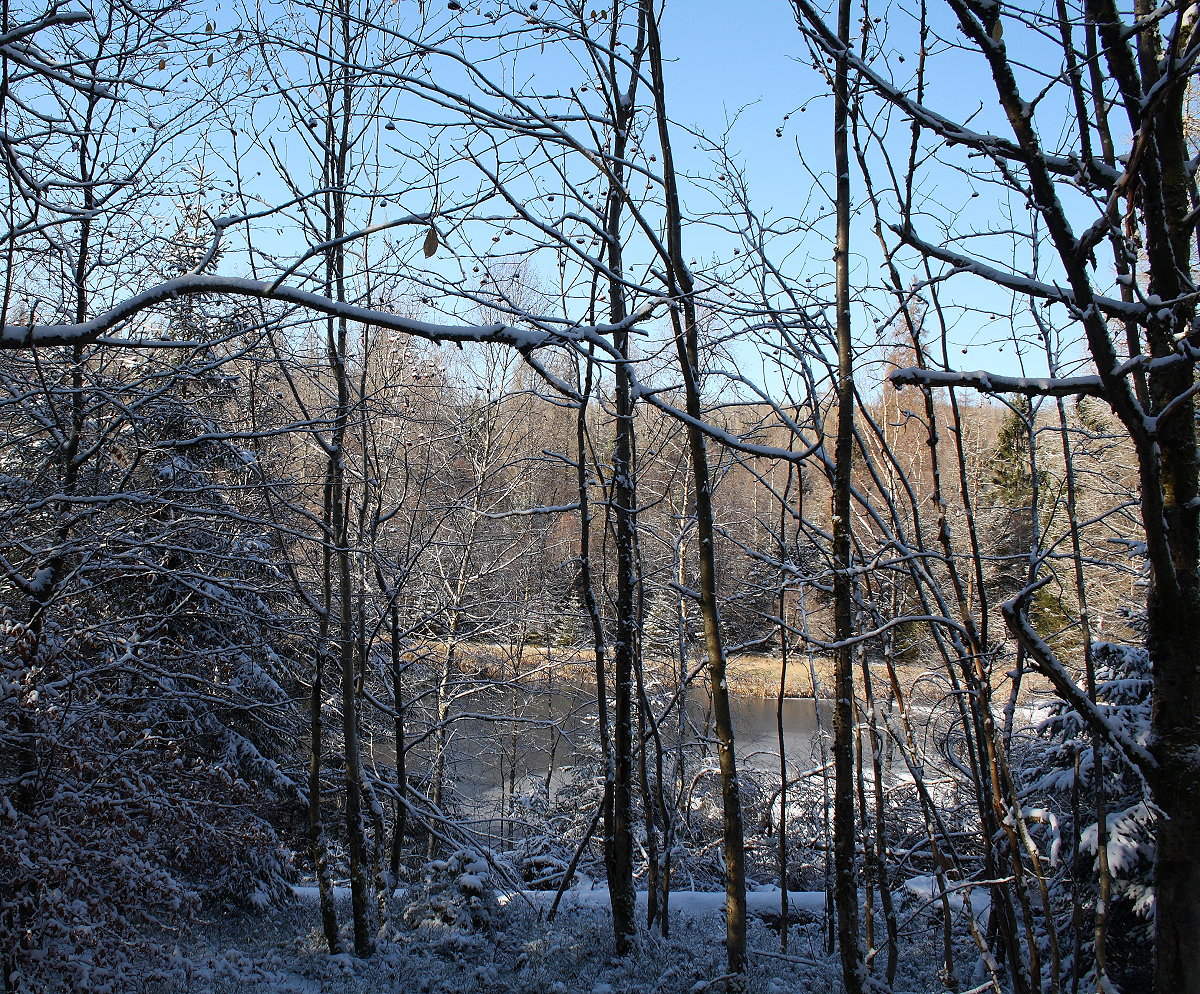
(20, 336)
(1122, 310)
(993, 383)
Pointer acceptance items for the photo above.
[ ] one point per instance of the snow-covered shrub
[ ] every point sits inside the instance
(113, 825)
(554, 828)
(1123, 683)
(457, 891)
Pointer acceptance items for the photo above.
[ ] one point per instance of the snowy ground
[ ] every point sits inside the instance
(518, 952)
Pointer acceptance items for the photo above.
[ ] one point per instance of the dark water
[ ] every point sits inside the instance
(552, 740)
(754, 728)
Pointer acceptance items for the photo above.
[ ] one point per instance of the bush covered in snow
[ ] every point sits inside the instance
(456, 891)
(1065, 775)
(114, 827)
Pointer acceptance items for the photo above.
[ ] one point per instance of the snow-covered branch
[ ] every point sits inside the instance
(19, 336)
(1073, 167)
(1016, 616)
(1121, 310)
(993, 383)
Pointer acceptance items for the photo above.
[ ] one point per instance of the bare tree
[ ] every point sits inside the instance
(1134, 310)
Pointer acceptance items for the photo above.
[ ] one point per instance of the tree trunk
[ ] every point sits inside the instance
(316, 830)
(625, 653)
(845, 886)
(356, 835)
(686, 333)
(599, 649)
(400, 828)
(1177, 748)
(627, 643)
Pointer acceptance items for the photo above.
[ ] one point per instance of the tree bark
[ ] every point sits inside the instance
(845, 886)
(684, 325)
(627, 641)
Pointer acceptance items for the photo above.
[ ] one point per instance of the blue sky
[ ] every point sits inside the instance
(745, 68)
(753, 59)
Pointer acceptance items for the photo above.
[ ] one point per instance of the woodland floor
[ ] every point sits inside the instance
(520, 953)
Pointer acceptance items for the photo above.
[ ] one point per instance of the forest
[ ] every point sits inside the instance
(599, 495)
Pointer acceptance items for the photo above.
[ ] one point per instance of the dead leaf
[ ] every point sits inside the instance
(431, 243)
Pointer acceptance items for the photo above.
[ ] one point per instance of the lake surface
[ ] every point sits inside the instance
(536, 742)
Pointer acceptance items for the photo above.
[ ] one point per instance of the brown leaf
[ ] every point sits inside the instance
(431, 243)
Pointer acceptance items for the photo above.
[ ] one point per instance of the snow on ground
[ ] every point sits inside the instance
(519, 952)
(688, 904)
(959, 896)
